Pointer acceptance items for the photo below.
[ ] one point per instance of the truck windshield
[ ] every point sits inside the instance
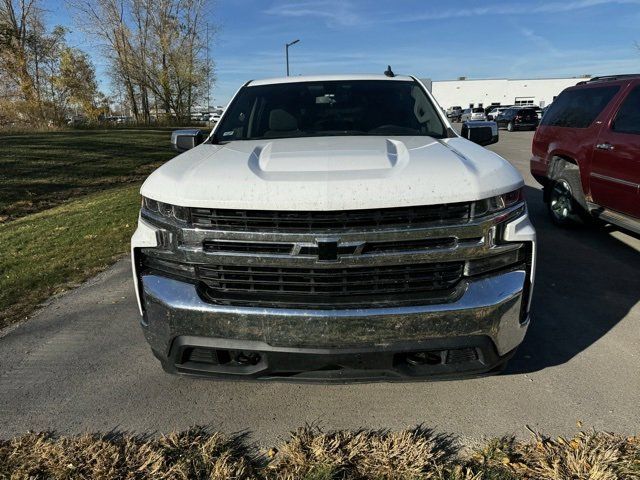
(329, 108)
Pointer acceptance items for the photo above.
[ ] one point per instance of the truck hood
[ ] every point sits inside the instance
(332, 173)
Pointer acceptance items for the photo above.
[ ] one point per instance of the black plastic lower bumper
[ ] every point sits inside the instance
(434, 359)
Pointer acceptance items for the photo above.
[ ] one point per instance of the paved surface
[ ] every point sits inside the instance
(82, 363)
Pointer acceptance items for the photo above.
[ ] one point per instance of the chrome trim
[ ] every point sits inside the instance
(489, 306)
(604, 146)
(615, 180)
(473, 239)
(616, 218)
(196, 255)
(195, 236)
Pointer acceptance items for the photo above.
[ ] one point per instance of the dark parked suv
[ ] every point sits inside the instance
(518, 119)
(586, 152)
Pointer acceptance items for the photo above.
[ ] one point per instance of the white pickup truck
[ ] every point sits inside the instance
(334, 228)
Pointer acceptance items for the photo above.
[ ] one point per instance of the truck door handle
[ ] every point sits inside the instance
(604, 146)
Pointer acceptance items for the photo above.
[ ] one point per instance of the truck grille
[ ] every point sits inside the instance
(357, 259)
(318, 222)
(327, 286)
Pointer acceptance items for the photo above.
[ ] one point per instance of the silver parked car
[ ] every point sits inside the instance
(471, 114)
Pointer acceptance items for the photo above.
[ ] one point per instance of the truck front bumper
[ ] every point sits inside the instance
(473, 335)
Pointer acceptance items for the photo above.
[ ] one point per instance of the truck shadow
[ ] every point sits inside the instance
(586, 282)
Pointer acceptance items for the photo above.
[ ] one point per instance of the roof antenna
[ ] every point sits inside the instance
(388, 72)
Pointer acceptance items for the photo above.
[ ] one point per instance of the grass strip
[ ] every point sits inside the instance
(312, 454)
(50, 251)
(41, 170)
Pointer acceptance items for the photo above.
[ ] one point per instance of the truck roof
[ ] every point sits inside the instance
(324, 78)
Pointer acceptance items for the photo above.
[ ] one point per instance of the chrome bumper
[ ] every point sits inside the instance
(489, 307)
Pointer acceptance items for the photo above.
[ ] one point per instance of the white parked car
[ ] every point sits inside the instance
(453, 113)
(334, 228)
(473, 114)
(215, 117)
(494, 112)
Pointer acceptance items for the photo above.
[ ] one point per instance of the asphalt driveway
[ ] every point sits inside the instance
(81, 364)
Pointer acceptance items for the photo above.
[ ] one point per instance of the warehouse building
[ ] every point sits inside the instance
(500, 91)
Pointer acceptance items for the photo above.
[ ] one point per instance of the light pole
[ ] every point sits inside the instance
(286, 52)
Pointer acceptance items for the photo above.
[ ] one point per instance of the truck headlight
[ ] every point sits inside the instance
(165, 210)
(499, 202)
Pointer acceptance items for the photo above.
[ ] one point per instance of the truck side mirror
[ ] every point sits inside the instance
(183, 140)
(482, 133)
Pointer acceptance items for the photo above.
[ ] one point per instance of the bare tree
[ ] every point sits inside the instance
(105, 20)
(16, 20)
(156, 48)
(140, 12)
(40, 75)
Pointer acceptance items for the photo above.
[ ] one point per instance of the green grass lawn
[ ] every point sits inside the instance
(41, 170)
(68, 206)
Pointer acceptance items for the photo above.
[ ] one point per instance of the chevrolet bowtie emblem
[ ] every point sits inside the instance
(327, 250)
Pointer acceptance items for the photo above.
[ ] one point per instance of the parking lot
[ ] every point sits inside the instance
(82, 363)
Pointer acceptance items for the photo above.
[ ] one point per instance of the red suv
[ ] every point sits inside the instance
(586, 152)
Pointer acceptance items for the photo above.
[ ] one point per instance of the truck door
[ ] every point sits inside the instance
(615, 165)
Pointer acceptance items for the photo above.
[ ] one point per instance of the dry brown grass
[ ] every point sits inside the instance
(193, 454)
(589, 455)
(312, 454)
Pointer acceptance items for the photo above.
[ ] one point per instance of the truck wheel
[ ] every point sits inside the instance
(567, 206)
(510, 127)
